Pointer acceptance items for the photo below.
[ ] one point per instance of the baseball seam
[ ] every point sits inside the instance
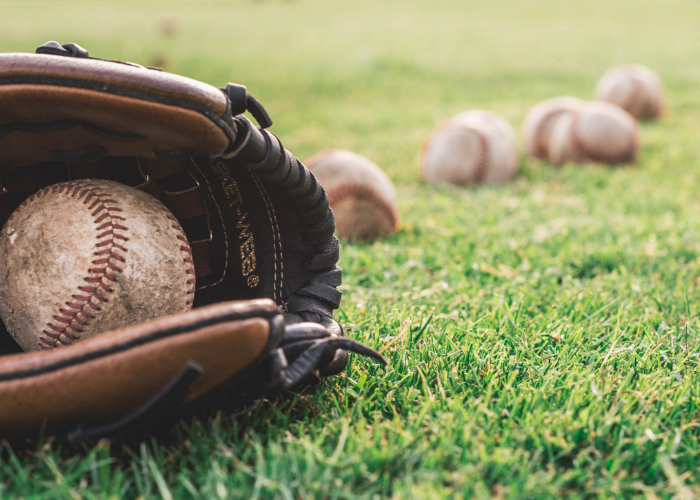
(647, 92)
(628, 155)
(77, 313)
(84, 304)
(425, 172)
(581, 153)
(347, 190)
(631, 103)
(481, 166)
(542, 148)
(484, 158)
(185, 248)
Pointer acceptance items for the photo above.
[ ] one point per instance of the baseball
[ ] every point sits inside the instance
(84, 257)
(635, 88)
(475, 147)
(598, 132)
(537, 126)
(360, 193)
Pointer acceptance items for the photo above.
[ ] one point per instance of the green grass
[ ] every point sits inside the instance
(545, 333)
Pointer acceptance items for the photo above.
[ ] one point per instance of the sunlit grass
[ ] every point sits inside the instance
(542, 336)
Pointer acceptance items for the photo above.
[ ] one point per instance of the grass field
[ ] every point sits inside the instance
(545, 333)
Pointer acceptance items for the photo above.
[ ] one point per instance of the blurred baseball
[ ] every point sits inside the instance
(598, 132)
(84, 257)
(538, 123)
(360, 193)
(635, 88)
(475, 147)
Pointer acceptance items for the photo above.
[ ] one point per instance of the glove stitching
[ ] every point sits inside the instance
(223, 225)
(277, 241)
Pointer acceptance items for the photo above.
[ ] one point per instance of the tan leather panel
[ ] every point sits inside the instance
(165, 127)
(26, 361)
(107, 388)
(122, 75)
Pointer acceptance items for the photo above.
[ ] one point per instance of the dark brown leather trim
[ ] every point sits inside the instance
(166, 127)
(120, 91)
(94, 73)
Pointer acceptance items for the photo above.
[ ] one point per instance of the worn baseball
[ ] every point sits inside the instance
(598, 132)
(474, 147)
(361, 195)
(538, 123)
(84, 257)
(635, 88)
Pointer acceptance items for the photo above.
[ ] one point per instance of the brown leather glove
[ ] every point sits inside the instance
(258, 223)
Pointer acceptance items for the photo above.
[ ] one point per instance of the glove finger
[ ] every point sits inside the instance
(109, 376)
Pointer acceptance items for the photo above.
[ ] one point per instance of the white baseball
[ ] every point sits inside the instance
(84, 257)
(361, 195)
(474, 147)
(598, 132)
(635, 88)
(538, 123)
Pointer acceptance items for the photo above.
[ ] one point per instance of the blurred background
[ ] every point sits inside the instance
(377, 77)
(544, 280)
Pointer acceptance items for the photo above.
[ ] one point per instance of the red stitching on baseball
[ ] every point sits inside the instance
(481, 166)
(542, 150)
(580, 148)
(188, 255)
(484, 158)
(346, 190)
(75, 314)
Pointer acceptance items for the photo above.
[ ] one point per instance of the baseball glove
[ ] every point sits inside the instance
(258, 224)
